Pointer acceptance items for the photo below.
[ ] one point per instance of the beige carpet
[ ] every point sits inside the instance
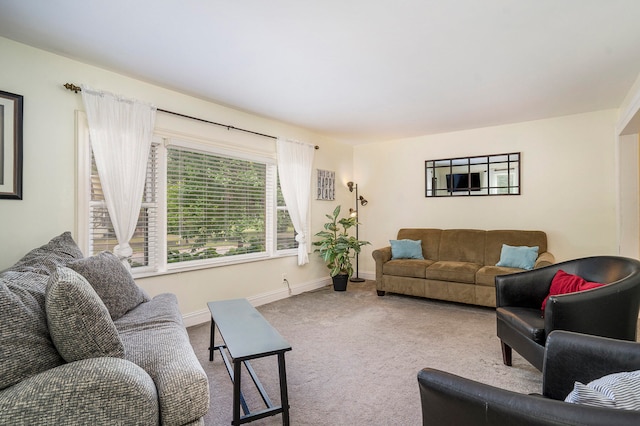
(355, 357)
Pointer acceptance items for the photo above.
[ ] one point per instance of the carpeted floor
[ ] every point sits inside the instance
(355, 357)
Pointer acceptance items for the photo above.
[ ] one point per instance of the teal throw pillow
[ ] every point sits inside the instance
(522, 257)
(406, 249)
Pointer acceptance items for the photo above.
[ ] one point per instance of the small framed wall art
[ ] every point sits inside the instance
(326, 185)
(10, 146)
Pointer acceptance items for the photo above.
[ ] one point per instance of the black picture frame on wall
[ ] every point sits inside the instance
(11, 146)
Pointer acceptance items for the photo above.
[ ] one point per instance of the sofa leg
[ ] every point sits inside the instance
(506, 353)
(381, 292)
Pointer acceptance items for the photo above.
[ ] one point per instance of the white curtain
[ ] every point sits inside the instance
(120, 131)
(295, 160)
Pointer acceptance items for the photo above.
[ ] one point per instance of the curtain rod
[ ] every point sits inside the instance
(77, 89)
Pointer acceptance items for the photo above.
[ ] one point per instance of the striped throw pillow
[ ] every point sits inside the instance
(619, 390)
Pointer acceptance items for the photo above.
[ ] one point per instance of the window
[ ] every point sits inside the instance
(203, 206)
(502, 181)
(144, 241)
(216, 205)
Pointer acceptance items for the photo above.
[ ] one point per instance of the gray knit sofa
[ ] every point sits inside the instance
(81, 343)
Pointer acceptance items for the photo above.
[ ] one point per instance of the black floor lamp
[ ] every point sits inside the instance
(361, 200)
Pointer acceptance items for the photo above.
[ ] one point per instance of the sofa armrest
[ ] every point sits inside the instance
(381, 256)
(609, 311)
(448, 399)
(524, 289)
(96, 390)
(573, 357)
(544, 259)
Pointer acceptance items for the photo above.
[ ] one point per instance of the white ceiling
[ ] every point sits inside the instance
(357, 70)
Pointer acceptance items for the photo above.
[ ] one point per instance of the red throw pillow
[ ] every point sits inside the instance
(564, 283)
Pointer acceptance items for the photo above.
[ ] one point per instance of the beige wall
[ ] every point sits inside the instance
(48, 207)
(568, 184)
(628, 131)
(579, 218)
(628, 191)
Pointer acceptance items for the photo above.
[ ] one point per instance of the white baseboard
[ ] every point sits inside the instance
(272, 296)
(203, 316)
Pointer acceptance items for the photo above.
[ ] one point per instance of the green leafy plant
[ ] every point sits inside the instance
(336, 247)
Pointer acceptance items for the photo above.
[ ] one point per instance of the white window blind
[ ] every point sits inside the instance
(144, 242)
(216, 205)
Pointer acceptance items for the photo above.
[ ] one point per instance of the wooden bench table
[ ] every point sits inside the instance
(247, 335)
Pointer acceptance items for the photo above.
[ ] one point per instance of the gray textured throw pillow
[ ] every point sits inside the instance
(26, 348)
(79, 323)
(112, 281)
(45, 259)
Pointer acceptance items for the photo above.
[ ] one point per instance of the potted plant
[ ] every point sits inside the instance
(337, 248)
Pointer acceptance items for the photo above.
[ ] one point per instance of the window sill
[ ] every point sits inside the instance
(176, 268)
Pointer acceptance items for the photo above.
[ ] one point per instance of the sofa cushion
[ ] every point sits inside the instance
(26, 348)
(486, 276)
(526, 321)
(414, 268)
(523, 257)
(43, 260)
(112, 281)
(618, 390)
(430, 238)
(563, 283)
(461, 272)
(155, 338)
(462, 245)
(406, 249)
(79, 323)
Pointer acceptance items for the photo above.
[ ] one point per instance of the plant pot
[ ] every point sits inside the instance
(340, 282)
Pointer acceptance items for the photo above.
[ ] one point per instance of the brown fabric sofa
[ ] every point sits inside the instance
(458, 265)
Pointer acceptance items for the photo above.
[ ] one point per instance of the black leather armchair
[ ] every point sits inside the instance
(609, 311)
(448, 399)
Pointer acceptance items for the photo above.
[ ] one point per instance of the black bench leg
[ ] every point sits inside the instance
(284, 395)
(237, 369)
(211, 345)
(506, 353)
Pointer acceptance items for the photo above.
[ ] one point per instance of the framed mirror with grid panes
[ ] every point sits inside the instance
(497, 174)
